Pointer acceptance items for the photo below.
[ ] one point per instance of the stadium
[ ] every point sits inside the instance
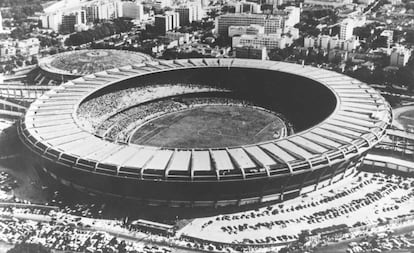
(293, 129)
(62, 67)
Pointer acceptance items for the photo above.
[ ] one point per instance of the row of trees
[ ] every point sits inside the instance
(100, 31)
(12, 3)
(404, 76)
(20, 12)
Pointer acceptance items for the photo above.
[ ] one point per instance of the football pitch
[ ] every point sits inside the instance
(211, 126)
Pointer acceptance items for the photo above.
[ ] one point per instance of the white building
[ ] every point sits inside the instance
(346, 29)
(274, 24)
(399, 56)
(365, 2)
(109, 9)
(270, 41)
(328, 3)
(168, 21)
(274, 2)
(190, 12)
(52, 20)
(26, 48)
(240, 30)
(180, 37)
(280, 20)
(327, 42)
(293, 16)
(309, 42)
(7, 50)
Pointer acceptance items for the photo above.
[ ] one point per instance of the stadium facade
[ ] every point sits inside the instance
(338, 120)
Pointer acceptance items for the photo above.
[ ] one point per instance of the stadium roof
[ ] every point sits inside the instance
(358, 122)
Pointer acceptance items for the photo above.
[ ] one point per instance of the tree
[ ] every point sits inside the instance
(363, 74)
(381, 41)
(34, 60)
(29, 248)
(405, 76)
(19, 63)
(378, 76)
(303, 236)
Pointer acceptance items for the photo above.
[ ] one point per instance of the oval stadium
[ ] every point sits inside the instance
(62, 67)
(205, 132)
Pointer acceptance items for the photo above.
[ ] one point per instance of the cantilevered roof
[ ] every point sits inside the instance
(361, 114)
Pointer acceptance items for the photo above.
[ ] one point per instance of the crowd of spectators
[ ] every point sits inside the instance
(120, 126)
(94, 111)
(123, 123)
(197, 101)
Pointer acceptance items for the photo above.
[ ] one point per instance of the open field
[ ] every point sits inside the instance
(211, 126)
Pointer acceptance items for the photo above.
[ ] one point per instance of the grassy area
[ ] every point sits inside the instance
(210, 126)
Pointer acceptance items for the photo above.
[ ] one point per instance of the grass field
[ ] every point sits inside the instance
(211, 126)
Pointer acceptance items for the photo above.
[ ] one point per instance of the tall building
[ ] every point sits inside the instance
(346, 29)
(133, 10)
(223, 22)
(109, 9)
(186, 14)
(52, 20)
(281, 20)
(1, 22)
(190, 12)
(167, 22)
(7, 50)
(92, 13)
(69, 21)
(273, 24)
